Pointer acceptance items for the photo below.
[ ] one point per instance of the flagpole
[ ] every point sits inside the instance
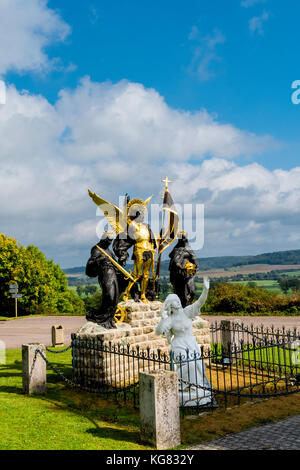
(158, 265)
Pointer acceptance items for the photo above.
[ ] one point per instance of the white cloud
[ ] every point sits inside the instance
(247, 192)
(251, 3)
(205, 54)
(248, 209)
(117, 138)
(26, 29)
(257, 22)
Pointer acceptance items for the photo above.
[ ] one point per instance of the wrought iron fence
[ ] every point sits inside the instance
(243, 363)
(235, 332)
(236, 374)
(113, 369)
(228, 374)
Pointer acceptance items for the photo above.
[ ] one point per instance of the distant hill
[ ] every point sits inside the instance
(78, 270)
(225, 262)
(277, 258)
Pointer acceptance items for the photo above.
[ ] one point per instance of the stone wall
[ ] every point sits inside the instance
(95, 366)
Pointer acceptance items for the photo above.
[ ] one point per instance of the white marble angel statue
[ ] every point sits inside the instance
(176, 324)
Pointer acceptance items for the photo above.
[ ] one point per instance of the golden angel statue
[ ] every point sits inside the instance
(131, 231)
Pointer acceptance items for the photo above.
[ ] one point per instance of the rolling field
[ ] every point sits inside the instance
(251, 269)
(265, 284)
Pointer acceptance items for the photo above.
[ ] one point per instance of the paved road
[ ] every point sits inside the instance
(38, 330)
(278, 322)
(283, 435)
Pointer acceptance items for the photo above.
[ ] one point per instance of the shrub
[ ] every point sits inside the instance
(93, 301)
(238, 298)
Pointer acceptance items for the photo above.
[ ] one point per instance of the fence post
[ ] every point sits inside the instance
(159, 408)
(34, 369)
(227, 339)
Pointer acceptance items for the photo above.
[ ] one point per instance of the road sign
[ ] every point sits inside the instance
(13, 291)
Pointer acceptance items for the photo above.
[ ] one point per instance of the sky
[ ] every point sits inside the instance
(114, 96)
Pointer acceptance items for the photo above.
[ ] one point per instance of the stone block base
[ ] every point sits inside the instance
(118, 361)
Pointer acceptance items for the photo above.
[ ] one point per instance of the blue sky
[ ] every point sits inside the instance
(149, 43)
(236, 60)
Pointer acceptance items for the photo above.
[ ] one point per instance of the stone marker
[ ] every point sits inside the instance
(34, 369)
(2, 352)
(57, 335)
(159, 408)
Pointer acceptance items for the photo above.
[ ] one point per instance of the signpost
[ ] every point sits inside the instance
(13, 290)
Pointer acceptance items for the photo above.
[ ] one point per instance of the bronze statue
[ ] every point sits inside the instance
(99, 264)
(183, 266)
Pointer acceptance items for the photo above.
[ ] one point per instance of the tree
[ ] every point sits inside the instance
(90, 290)
(164, 288)
(251, 284)
(43, 284)
(93, 301)
(80, 290)
(287, 284)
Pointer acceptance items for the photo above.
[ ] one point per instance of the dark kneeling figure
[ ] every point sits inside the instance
(183, 266)
(100, 265)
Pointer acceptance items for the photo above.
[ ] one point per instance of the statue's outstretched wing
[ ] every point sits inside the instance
(115, 216)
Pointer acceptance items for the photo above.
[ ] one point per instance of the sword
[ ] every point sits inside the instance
(123, 271)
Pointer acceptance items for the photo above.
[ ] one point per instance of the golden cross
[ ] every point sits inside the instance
(166, 181)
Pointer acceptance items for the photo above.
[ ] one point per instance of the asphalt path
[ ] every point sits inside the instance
(14, 333)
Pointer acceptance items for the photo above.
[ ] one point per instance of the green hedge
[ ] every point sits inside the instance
(227, 298)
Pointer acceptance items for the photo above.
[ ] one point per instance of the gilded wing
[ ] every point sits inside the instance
(115, 216)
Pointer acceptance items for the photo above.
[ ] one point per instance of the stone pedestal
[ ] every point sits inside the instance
(95, 366)
(138, 330)
(159, 409)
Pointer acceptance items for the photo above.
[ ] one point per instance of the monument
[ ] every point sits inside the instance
(132, 321)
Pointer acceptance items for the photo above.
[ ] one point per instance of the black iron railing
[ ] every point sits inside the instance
(230, 373)
(238, 331)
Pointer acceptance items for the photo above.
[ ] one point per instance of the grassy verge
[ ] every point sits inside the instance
(62, 419)
(2, 318)
(68, 419)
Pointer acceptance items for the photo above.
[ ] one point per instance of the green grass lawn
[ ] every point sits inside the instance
(62, 419)
(267, 358)
(67, 419)
(269, 284)
(275, 358)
